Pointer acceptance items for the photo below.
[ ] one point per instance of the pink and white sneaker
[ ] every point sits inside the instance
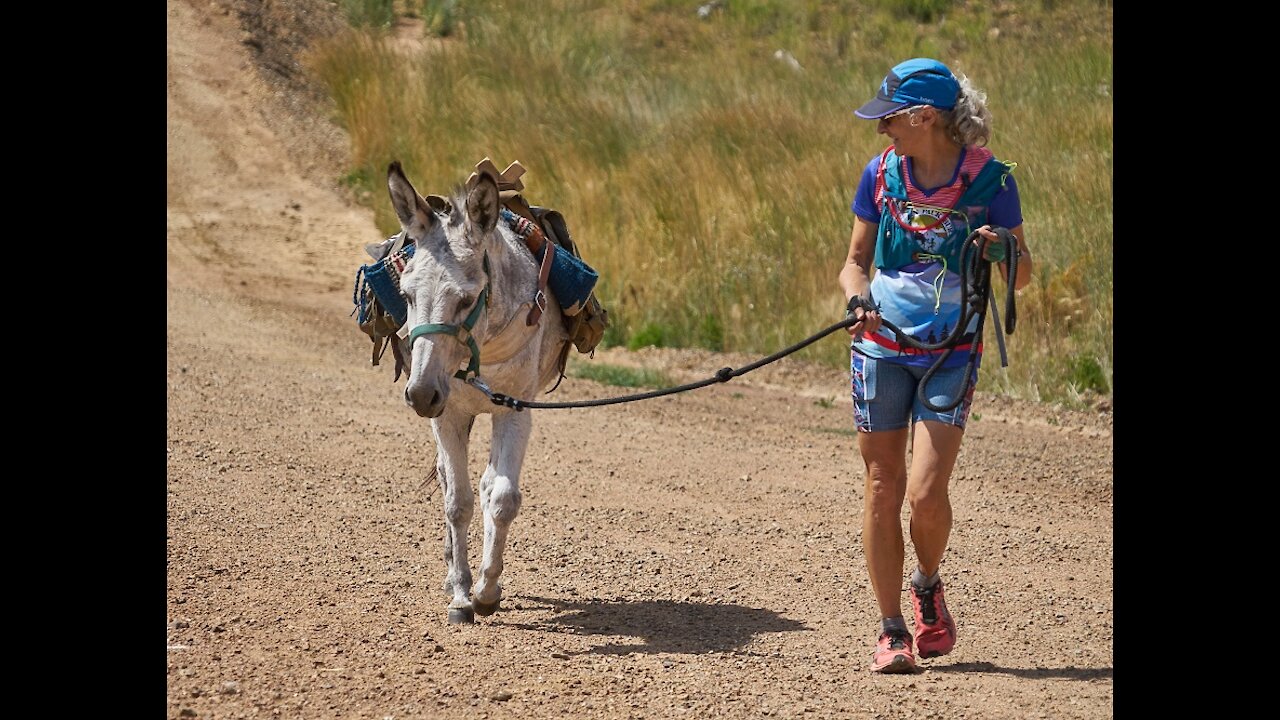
(935, 630)
(893, 653)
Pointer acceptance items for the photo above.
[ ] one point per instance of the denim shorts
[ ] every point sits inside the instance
(884, 394)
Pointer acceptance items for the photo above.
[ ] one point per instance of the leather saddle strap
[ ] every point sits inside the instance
(540, 298)
(536, 241)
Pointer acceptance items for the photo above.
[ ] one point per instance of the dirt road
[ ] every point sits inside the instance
(691, 556)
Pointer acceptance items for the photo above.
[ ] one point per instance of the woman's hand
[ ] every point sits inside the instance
(992, 246)
(868, 316)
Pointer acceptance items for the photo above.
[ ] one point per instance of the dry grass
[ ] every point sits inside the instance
(709, 181)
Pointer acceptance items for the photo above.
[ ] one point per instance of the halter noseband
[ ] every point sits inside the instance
(461, 332)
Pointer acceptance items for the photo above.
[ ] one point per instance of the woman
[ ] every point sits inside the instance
(915, 206)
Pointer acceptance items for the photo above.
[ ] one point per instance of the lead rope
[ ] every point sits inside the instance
(726, 374)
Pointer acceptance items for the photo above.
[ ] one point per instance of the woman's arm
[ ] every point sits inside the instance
(855, 276)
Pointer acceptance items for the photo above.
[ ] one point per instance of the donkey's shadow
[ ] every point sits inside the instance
(663, 626)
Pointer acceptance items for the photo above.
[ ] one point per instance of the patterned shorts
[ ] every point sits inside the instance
(884, 394)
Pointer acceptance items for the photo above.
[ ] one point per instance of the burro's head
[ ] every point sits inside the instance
(445, 284)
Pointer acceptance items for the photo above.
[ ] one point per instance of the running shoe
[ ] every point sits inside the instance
(935, 630)
(893, 653)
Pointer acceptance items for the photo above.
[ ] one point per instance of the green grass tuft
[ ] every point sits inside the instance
(369, 13)
(651, 335)
(621, 376)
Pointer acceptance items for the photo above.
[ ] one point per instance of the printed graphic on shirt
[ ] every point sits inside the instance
(930, 234)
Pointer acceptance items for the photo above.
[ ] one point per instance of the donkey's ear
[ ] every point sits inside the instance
(438, 204)
(414, 213)
(482, 203)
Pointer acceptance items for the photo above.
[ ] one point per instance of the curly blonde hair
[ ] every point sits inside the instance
(969, 122)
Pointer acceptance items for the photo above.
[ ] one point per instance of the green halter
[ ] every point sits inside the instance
(461, 332)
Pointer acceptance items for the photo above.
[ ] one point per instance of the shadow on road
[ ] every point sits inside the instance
(662, 626)
(1070, 673)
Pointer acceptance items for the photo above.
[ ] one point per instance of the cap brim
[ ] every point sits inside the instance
(878, 108)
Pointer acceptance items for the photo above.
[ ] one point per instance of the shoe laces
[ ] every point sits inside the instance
(898, 640)
(928, 609)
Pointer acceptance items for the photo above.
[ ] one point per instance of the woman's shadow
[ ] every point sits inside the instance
(663, 626)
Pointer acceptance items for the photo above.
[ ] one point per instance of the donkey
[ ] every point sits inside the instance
(470, 288)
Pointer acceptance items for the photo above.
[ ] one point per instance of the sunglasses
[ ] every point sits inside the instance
(903, 111)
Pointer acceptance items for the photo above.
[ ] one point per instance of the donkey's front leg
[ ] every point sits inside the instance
(500, 501)
(452, 432)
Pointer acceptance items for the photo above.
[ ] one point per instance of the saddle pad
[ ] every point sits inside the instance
(571, 279)
(383, 277)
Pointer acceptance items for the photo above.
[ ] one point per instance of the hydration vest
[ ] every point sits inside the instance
(898, 245)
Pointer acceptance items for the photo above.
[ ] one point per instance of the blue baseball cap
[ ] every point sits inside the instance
(919, 81)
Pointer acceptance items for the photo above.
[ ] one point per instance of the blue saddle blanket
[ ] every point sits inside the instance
(383, 278)
(571, 279)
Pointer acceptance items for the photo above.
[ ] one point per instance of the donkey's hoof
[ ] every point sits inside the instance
(461, 616)
(485, 609)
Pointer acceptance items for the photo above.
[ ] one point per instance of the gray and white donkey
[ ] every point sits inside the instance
(469, 288)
